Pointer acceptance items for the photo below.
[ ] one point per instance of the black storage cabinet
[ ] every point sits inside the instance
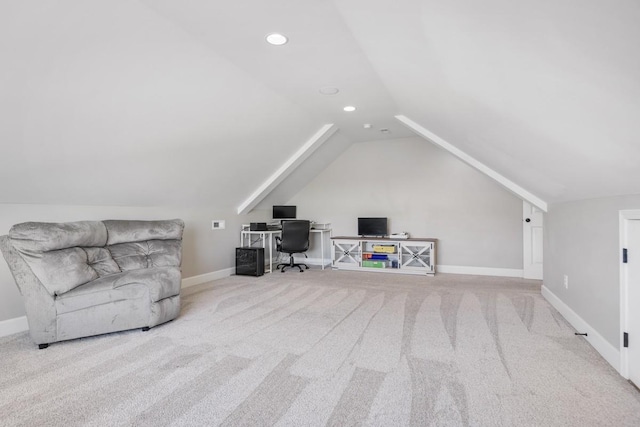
(249, 261)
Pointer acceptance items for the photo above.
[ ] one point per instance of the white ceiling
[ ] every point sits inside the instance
(182, 101)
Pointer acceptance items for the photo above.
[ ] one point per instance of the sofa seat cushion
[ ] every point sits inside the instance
(147, 254)
(158, 283)
(162, 282)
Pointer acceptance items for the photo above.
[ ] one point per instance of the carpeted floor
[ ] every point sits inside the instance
(327, 348)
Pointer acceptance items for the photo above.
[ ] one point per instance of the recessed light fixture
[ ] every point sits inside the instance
(349, 108)
(329, 90)
(276, 39)
(367, 126)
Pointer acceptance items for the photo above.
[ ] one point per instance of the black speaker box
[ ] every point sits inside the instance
(250, 261)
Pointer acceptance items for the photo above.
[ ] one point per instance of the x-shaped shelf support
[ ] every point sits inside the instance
(416, 255)
(347, 252)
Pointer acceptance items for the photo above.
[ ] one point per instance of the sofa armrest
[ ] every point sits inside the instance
(39, 304)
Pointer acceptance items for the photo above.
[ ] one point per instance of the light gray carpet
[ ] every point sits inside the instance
(327, 348)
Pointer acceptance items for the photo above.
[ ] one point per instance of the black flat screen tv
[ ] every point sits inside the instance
(372, 227)
(284, 212)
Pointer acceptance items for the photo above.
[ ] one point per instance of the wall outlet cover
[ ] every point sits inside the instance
(217, 224)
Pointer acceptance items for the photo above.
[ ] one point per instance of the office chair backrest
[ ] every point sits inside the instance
(295, 236)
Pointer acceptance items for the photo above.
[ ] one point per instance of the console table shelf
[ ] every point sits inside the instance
(384, 255)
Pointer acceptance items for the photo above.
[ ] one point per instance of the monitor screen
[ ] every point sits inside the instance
(284, 212)
(372, 227)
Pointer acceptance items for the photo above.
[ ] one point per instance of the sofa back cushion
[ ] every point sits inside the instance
(147, 254)
(47, 236)
(64, 256)
(101, 261)
(61, 270)
(139, 231)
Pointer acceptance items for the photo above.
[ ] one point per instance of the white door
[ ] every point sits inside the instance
(633, 300)
(532, 219)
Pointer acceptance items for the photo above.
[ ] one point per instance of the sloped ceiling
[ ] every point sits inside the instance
(545, 92)
(181, 101)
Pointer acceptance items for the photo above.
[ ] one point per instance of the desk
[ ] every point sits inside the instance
(268, 235)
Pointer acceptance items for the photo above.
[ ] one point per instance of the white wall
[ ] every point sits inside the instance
(422, 190)
(582, 241)
(204, 250)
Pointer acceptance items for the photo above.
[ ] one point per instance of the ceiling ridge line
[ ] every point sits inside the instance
(473, 162)
(263, 190)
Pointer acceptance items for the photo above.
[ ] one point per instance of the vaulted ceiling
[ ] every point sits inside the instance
(182, 101)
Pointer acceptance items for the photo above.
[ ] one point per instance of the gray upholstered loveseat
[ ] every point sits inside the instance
(93, 277)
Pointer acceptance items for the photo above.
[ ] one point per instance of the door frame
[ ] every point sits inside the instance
(625, 217)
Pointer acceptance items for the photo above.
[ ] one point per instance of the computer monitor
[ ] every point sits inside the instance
(376, 227)
(284, 212)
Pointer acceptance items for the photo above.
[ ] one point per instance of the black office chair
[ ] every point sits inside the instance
(294, 240)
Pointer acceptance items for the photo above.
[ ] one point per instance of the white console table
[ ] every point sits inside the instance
(384, 255)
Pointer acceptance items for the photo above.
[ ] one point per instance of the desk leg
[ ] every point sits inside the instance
(263, 236)
(270, 252)
(322, 248)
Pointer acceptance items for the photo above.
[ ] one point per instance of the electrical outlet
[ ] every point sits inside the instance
(566, 281)
(217, 224)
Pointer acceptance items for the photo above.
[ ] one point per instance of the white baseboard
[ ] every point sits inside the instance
(207, 277)
(13, 326)
(311, 261)
(479, 271)
(450, 269)
(597, 341)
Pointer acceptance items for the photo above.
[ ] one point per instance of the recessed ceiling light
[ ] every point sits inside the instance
(277, 39)
(349, 108)
(329, 90)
